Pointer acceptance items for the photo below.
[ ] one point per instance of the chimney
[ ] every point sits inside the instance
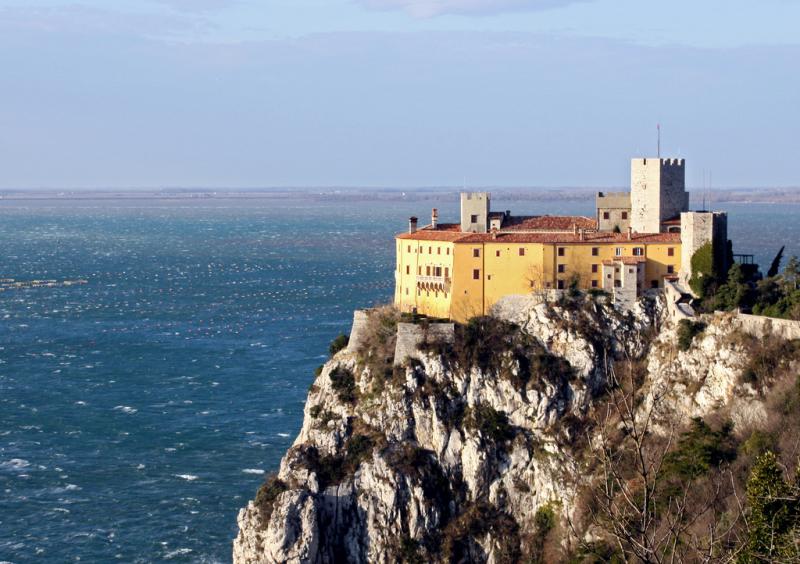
(412, 224)
(580, 234)
(630, 233)
(434, 218)
(574, 228)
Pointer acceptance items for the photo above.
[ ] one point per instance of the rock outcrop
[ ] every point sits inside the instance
(450, 456)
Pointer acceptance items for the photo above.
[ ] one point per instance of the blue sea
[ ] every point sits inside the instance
(139, 411)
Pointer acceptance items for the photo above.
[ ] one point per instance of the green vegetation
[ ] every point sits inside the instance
(344, 384)
(743, 288)
(774, 514)
(268, 493)
(492, 424)
(338, 344)
(332, 469)
(699, 450)
(687, 331)
(478, 519)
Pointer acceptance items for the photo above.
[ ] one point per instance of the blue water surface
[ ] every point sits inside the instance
(138, 412)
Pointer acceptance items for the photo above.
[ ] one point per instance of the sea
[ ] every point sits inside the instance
(139, 411)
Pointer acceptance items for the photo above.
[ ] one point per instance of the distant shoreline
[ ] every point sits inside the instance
(717, 196)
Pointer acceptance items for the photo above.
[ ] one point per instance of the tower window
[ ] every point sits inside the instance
(473, 219)
(624, 215)
(606, 215)
(476, 274)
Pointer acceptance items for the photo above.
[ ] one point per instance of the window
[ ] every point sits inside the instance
(476, 274)
(560, 285)
(561, 251)
(608, 276)
(670, 269)
(624, 215)
(419, 270)
(409, 248)
(617, 284)
(671, 252)
(594, 268)
(654, 283)
(618, 251)
(630, 271)
(438, 250)
(446, 272)
(408, 269)
(595, 251)
(606, 215)
(437, 270)
(476, 253)
(562, 268)
(488, 276)
(594, 283)
(638, 251)
(473, 219)
(406, 291)
(497, 253)
(427, 271)
(448, 250)
(521, 252)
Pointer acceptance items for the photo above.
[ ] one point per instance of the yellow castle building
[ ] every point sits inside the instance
(637, 241)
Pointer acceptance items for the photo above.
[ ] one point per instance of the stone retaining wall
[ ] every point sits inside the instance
(410, 335)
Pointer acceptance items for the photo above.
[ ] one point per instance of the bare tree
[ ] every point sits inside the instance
(628, 504)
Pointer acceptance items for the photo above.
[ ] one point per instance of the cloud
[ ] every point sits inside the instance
(431, 8)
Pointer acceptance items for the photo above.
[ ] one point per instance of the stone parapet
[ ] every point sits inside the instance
(411, 335)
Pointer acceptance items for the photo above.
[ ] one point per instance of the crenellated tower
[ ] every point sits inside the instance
(658, 193)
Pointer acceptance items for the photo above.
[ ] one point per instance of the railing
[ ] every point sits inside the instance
(743, 259)
(432, 280)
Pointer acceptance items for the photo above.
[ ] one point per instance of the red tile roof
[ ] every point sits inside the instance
(548, 223)
(447, 233)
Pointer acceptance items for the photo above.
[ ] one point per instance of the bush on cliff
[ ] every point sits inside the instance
(268, 493)
(687, 331)
(344, 384)
(338, 344)
(492, 424)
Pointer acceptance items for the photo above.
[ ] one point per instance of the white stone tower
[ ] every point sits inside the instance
(658, 192)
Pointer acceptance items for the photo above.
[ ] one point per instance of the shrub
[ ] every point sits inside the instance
(703, 275)
(698, 450)
(315, 410)
(338, 344)
(687, 331)
(492, 424)
(344, 384)
(478, 519)
(267, 494)
(767, 356)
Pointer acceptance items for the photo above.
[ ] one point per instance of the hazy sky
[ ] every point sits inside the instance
(252, 93)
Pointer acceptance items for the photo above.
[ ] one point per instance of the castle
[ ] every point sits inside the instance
(637, 241)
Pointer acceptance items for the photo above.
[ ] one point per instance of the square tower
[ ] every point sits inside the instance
(658, 192)
(474, 212)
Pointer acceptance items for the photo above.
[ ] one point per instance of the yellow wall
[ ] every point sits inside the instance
(509, 273)
(421, 260)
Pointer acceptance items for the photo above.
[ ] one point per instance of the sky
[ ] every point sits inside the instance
(395, 93)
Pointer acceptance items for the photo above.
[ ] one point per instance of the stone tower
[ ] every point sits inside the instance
(697, 229)
(658, 192)
(474, 212)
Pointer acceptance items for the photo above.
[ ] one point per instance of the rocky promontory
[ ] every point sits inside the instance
(496, 440)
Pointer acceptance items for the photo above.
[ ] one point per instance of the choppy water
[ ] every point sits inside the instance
(138, 411)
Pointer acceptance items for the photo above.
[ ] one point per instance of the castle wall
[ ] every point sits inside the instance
(474, 204)
(410, 336)
(358, 332)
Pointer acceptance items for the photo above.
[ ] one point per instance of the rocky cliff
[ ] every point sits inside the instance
(469, 450)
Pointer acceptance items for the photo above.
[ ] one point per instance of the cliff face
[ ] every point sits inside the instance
(458, 455)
